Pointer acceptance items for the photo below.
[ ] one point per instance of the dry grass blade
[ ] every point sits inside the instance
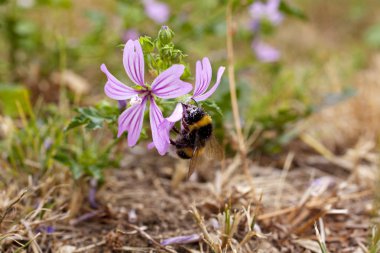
(321, 236)
(36, 248)
(287, 165)
(89, 247)
(14, 202)
(27, 244)
(135, 249)
(206, 236)
(308, 244)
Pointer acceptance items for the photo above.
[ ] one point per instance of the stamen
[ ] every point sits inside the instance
(136, 100)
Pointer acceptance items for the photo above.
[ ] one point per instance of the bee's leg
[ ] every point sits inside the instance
(175, 130)
(185, 126)
(177, 144)
(174, 143)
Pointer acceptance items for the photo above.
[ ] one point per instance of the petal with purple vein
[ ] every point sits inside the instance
(133, 60)
(131, 120)
(116, 89)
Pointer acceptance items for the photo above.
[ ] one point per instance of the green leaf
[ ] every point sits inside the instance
(292, 10)
(210, 105)
(76, 169)
(62, 157)
(95, 172)
(75, 122)
(94, 117)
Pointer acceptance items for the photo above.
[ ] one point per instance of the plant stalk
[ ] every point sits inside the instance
(232, 84)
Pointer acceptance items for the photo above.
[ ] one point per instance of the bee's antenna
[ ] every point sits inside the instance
(195, 101)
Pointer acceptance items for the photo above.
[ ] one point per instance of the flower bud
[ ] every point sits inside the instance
(165, 35)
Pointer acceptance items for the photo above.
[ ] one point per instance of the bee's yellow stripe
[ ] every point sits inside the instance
(189, 151)
(204, 121)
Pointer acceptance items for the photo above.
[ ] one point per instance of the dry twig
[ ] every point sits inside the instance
(149, 238)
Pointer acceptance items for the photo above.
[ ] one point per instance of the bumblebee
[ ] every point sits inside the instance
(196, 136)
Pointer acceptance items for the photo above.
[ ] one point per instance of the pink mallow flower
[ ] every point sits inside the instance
(157, 11)
(264, 52)
(203, 75)
(267, 11)
(166, 86)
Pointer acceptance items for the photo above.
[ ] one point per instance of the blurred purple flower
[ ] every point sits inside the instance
(45, 229)
(320, 185)
(265, 52)
(267, 11)
(167, 85)
(86, 216)
(132, 216)
(48, 142)
(92, 193)
(130, 34)
(50, 229)
(203, 75)
(157, 11)
(181, 239)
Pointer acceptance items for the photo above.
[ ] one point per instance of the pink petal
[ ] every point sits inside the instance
(150, 145)
(176, 114)
(116, 89)
(133, 60)
(198, 77)
(213, 89)
(131, 120)
(160, 138)
(167, 124)
(203, 76)
(169, 85)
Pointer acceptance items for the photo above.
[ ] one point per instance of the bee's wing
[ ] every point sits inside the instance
(194, 161)
(213, 149)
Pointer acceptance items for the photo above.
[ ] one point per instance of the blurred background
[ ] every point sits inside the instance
(312, 55)
(307, 79)
(301, 67)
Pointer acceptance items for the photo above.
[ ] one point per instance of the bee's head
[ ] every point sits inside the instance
(192, 113)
